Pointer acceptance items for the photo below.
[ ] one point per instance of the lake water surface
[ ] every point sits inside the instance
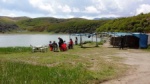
(11, 40)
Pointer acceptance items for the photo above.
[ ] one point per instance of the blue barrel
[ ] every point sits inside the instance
(143, 40)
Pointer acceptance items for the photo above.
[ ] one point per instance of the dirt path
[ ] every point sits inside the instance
(140, 61)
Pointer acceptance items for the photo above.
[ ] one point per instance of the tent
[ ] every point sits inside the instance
(143, 39)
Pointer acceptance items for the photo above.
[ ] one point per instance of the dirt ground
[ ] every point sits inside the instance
(140, 70)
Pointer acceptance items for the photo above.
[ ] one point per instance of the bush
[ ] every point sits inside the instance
(101, 42)
(7, 50)
(85, 42)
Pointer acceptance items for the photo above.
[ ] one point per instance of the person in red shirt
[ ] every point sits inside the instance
(70, 44)
(50, 46)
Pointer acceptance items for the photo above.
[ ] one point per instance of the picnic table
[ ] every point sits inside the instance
(39, 48)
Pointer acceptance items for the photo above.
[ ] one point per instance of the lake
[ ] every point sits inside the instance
(12, 40)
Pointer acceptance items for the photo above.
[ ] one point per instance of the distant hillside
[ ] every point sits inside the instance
(139, 23)
(105, 18)
(13, 19)
(49, 24)
(7, 24)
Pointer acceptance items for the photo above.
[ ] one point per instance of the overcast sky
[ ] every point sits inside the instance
(73, 8)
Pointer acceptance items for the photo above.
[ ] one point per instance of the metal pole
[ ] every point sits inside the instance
(92, 37)
(96, 41)
(81, 41)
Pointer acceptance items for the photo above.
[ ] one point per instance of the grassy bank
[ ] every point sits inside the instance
(21, 73)
(8, 50)
(76, 66)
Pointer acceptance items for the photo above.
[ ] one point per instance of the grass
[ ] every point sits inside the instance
(21, 73)
(75, 66)
(8, 50)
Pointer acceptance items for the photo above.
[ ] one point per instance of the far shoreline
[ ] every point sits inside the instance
(30, 33)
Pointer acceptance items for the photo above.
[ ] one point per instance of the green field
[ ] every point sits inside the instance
(18, 65)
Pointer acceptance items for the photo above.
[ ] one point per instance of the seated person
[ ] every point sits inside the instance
(64, 46)
(50, 45)
(55, 46)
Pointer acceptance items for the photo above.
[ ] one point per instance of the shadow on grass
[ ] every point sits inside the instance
(125, 48)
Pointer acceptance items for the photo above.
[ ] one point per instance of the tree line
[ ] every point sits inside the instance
(74, 25)
(139, 23)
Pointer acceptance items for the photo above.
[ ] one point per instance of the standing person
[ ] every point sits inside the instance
(76, 41)
(50, 45)
(70, 44)
(55, 46)
(60, 43)
(121, 43)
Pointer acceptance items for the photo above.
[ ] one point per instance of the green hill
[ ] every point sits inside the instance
(139, 23)
(74, 25)
(7, 24)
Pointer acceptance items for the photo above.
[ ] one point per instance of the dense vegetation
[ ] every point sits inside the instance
(76, 25)
(139, 23)
(7, 24)
(48, 24)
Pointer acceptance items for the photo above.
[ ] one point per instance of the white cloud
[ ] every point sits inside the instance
(106, 5)
(35, 3)
(91, 9)
(65, 9)
(87, 17)
(7, 1)
(144, 8)
(74, 8)
(7, 13)
(4, 0)
(45, 6)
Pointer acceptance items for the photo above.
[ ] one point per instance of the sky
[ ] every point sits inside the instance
(73, 8)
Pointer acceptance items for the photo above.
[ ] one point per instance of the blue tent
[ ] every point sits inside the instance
(143, 39)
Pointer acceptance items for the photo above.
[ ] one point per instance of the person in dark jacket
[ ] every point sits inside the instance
(76, 41)
(55, 46)
(121, 43)
(60, 43)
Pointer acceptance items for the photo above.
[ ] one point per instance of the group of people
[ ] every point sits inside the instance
(53, 46)
(63, 46)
